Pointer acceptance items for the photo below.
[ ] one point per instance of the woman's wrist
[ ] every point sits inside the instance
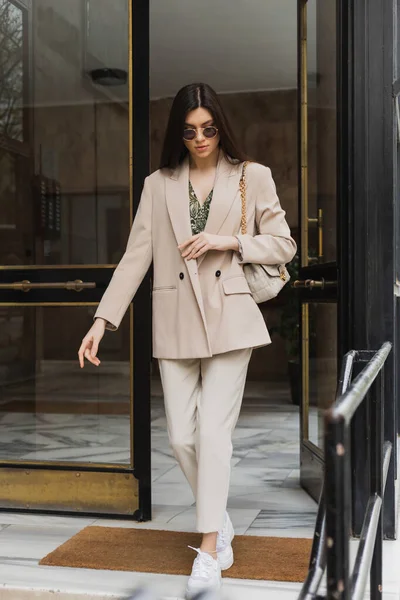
(102, 321)
(232, 243)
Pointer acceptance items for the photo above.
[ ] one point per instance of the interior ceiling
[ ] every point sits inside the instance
(234, 45)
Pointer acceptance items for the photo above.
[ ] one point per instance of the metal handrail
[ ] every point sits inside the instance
(317, 563)
(334, 507)
(347, 404)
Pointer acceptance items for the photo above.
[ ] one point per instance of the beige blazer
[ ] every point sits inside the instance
(200, 307)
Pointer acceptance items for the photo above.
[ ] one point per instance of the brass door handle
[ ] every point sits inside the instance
(314, 283)
(320, 223)
(26, 286)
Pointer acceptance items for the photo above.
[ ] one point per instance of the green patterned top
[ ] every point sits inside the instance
(198, 212)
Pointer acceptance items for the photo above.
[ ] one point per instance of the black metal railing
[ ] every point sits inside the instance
(330, 549)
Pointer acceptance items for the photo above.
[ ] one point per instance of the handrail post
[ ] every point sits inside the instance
(337, 499)
(376, 478)
(368, 386)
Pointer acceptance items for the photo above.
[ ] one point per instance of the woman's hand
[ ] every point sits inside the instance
(90, 343)
(203, 242)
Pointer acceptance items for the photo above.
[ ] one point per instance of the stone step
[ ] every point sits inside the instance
(119, 586)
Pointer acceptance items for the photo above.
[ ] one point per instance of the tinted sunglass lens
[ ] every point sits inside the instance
(210, 132)
(189, 134)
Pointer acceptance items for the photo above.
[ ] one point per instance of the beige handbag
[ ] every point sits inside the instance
(265, 281)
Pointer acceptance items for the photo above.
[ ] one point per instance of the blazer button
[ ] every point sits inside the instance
(218, 274)
(181, 275)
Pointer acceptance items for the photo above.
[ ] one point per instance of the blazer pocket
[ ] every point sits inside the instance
(236, 285)
(164, 288)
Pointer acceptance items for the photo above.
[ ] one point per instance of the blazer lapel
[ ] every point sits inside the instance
(226, 188)
(177, 198)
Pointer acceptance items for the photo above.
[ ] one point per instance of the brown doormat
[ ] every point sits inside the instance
(153, 551)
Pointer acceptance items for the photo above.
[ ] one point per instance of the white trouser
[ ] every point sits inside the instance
(202, 401)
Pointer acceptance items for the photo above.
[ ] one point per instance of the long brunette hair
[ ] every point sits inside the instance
(189, 98)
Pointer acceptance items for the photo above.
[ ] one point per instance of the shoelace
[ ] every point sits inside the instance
(202, 564)
(222, 540)
(222, 535)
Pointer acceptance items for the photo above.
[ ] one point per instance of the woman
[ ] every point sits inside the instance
(205, 321)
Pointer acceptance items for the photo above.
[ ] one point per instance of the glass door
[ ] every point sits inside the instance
(66, 435)
(318, 273)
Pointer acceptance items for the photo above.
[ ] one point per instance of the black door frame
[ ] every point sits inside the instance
(142, 329)
(366, 181)
(368, 206)
(396, 144)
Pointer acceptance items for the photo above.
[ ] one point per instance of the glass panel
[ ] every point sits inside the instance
(77, 152)
(98, 16)
(322, 372)
(11, 71)
(50, 409)
(16, 235)
(321, 125)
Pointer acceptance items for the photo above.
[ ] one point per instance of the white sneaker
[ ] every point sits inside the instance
(206, 574)
(224, 544)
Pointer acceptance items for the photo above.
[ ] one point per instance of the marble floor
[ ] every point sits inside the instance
(42, 419)
(265, 499)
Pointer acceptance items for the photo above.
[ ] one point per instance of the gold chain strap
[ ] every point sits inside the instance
(243, 220)
(242, 186)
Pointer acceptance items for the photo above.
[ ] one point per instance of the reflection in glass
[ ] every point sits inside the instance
(11, 71)
(322, 352)
(75, 152)
(321, 125)
(50, 409)
(16, 232)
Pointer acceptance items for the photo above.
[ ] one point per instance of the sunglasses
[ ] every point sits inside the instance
(209, 132)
